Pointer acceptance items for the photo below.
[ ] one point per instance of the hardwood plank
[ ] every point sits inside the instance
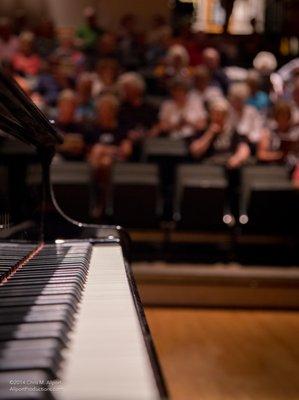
(227, 355)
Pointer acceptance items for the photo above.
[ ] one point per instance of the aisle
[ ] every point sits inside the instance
(227, 355)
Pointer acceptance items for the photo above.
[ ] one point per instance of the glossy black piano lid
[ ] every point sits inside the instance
(19, 117)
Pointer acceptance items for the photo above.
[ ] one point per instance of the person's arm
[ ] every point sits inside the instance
(125, 149)
(200, 146)
(241, 155)
(263, 152)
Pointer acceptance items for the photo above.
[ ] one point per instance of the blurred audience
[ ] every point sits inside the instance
(111, 89)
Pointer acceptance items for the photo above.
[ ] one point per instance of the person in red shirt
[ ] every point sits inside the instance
(26, 61)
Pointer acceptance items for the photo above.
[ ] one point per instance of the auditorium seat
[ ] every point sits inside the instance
(161, 148)
(267, 200)
(134, 200)
(200, 201)
(71, 184)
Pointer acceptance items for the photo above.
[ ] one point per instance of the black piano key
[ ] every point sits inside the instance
(43, 330)
(47, 362)
(21, 291)
(37, 300)
(15, 345)
(45, 308)
(45, 281)
(63, 316)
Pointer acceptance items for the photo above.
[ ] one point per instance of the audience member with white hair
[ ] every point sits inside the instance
(279, 141)
(295, 101)
(245, 119)
(73, 147)
(220, 142)
(108, 143)
(137, 115)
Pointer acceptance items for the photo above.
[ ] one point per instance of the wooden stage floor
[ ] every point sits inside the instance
(227, 355)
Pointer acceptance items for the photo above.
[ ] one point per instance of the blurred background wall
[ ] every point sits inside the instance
(69, 12)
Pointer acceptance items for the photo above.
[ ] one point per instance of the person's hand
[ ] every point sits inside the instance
(135, 134)
(194, 148)
(233, 162)
(215, 128)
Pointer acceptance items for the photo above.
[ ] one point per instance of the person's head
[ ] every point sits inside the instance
(107, 107)
(66, 106)
(107, 44)
(202, 77)
(177, 56)
(253, 81)
(131, 86)
(46, 29)
(179, 89)
(128, 23)
(282, 113)
(265, 63)
(66, 38)
(26, 41)
(218, 111)
(211, 58)
(107, 70)
(295, 92)
(157, 21)
(238, 95)
(90, 16)
(5, 28)
(84, 87)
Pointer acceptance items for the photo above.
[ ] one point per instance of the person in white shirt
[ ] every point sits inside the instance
(245, 118)
(295, 101)
(204, 89)
(279, 141)
(183, 115)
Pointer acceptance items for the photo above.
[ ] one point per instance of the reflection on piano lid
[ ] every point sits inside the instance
(72, 325)
(19, 117)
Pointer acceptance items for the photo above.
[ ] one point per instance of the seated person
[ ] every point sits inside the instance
(295, 177)
(220, 139)
(51, 80)
(108, 143)
(26, 61)
(244, 118)
(258, 99)
(136, 115)
(105, 77)
(295, 100)
(183, 115)
(85, 107)
(211, 59)
(73, 147)
(279, 141)
(204, 88)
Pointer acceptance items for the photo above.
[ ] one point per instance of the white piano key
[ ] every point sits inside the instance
(107, 358)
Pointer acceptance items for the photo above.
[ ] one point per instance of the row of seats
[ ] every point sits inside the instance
(267, 201)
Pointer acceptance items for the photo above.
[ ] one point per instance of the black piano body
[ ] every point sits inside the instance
(71, 322)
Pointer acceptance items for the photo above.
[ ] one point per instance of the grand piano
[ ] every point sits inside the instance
(72, 325)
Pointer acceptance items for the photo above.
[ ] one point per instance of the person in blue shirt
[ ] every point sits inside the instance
(258, 98)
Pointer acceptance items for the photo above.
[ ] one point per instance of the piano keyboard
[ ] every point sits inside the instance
(69, 329)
